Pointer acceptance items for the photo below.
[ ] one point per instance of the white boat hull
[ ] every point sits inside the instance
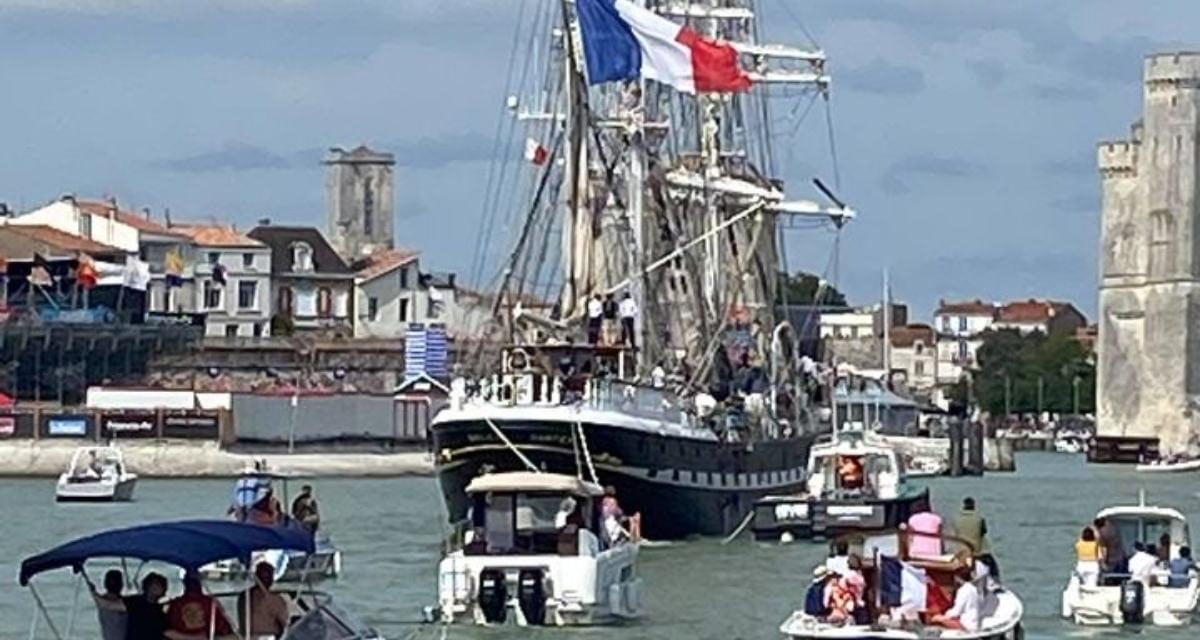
(580, 590)
(1175, 467)
(1002, 619)
(97, 490)
(1101, 606)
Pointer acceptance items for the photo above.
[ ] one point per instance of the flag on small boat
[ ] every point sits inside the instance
(902, 585)
(622, 41)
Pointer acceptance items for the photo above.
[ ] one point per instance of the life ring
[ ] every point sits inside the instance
(519, 360)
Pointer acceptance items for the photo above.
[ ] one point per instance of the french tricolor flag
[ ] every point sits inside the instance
(622, 41)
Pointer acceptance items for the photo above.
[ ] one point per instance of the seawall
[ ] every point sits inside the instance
(200, 459)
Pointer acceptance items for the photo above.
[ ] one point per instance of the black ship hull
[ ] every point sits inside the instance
(682, 485)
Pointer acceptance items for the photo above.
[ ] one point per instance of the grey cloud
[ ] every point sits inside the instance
(231, 157)
(989, 73)
(1060, 93)
(882, 77)
(898, 176)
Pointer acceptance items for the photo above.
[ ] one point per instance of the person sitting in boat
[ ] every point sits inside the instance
(1142, 563)
(845, 600)
(924, 533)
(850, 473)
(964, 614)
(816, 597)
(305, 510)
(1164, 550)
(110, 605)
(1088, 554)
(145, 617)
(1182, 569)
(267, 511)
(194, 613)
(268, 610)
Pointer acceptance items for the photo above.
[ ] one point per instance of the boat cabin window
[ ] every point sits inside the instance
(1148, 529)
(525, 523)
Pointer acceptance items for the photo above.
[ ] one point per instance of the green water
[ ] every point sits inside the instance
(389, 530)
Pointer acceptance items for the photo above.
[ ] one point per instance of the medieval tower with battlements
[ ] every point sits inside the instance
(361, 211)
(1148, 377)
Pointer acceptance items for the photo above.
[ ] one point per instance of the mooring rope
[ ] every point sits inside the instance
(508, 443)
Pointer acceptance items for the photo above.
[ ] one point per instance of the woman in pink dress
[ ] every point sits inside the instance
(925, 534)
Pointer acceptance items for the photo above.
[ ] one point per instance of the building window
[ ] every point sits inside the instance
(919, 368)
(247, 295)
(1162, 243)
(962, 323)
(324, 302)
(962, 350)
(258, 329)
(404, 310)
(231, 330)
(302, 257)
(403, 277)
(85, 225)
(286, 301)
(213, 257)
(212, 295)
(247, 260)
(372, 309)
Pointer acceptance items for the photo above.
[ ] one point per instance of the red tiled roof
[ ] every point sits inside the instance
(216, 235)
(383, 261)
(61, 240)
(139, 222)
(908, 335)
(1029, 311)
(967, 308)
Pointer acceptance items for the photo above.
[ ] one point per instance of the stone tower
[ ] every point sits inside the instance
(359, 189)
(1148, 377)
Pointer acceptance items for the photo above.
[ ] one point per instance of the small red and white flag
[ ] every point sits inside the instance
(535, 152)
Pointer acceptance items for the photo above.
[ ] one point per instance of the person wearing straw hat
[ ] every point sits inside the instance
(816, 598)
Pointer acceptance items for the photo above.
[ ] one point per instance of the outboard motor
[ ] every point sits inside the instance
(531, 595)
(1133, 601)
(493, 595)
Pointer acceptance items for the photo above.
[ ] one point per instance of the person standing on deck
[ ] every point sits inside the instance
(595, 317)
(1112, 550)
(110, 606)
(925, 533)
(971, 526)
(305, 510)
(610, 319)
(629, 311)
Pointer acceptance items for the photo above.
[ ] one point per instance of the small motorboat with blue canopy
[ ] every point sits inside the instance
(190, 545)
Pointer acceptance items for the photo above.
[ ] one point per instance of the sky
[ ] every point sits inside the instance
(965, 131)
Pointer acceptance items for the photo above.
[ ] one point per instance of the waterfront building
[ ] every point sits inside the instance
(1050, 317)
(313, 287)
(233, 280)
(914, 356)
(1148, 372)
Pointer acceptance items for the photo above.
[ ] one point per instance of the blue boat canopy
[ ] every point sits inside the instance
(189, 544)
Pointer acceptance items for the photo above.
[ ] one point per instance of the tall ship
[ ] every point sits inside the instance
(638, 335)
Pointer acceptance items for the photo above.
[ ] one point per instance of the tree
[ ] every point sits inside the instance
(1032, 371)
(806, 289)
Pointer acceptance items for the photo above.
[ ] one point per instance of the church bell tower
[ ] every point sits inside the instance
(361, 210)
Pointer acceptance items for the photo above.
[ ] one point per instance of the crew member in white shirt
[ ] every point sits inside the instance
(1141, 564)
(595, 312)
(964, 615)
(628, 311)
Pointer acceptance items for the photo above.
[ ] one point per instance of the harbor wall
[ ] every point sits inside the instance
(193, 459)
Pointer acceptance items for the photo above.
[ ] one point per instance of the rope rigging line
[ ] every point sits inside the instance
(508, 443)
(587, 455)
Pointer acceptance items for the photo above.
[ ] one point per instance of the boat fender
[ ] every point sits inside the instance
(493, 595)
(1133, 601)
(531, 595)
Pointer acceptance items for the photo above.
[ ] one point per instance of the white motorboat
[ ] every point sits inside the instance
(1170, 466)
(291, 567)
(1163, 602)
(856, 482)
(1000, 614)
(920, 466)
(1070, 443)
(96, 474)
(533, 556)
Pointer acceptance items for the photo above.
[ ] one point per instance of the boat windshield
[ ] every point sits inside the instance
(1149, 529)
(523, 523)
(852, 474)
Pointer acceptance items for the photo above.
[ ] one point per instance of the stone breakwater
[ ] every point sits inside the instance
(191, 459)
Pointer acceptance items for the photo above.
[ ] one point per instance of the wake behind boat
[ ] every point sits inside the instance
(96, 474)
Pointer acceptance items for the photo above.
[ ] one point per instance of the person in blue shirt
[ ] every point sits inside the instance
(1181, 568)
(816, 602)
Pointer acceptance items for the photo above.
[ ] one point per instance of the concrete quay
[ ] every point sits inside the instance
(193, 459)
